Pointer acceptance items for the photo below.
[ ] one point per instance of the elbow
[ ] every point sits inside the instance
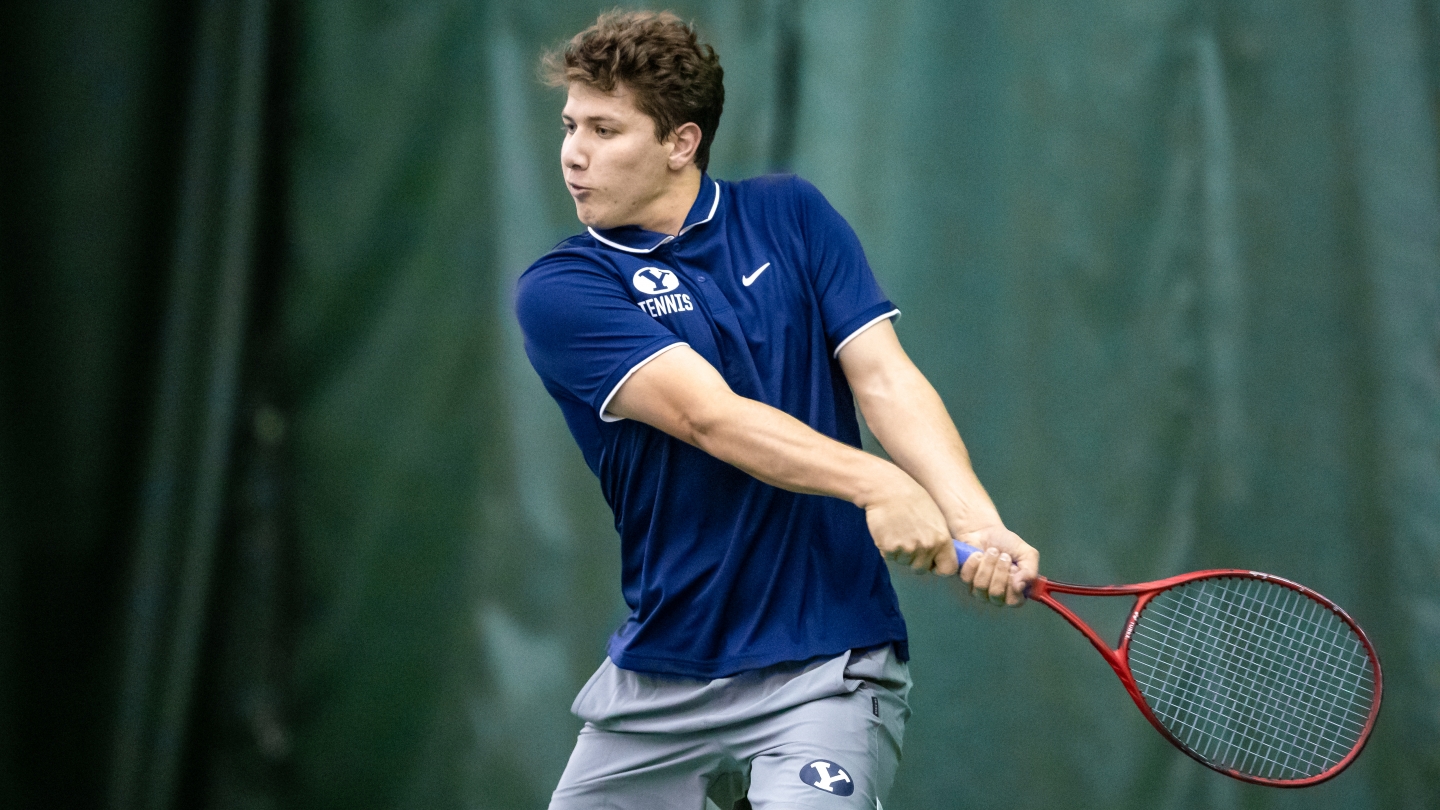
(876, 393)
(703, 424)
(891, 385)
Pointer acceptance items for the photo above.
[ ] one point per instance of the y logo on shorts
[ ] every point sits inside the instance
(655, 280)
(825, 775)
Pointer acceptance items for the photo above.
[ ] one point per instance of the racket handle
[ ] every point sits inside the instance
(963, 551)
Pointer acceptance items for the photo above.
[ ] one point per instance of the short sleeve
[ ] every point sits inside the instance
(583, 333)
(850, 299)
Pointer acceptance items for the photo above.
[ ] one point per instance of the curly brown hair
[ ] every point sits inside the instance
(675, 79)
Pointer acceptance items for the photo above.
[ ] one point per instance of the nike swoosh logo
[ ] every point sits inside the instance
(750, 279)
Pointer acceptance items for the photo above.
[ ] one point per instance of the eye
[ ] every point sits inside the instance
(568, 126)
(604, 132)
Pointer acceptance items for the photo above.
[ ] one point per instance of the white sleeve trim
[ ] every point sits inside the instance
(604, 417)
(894, 313)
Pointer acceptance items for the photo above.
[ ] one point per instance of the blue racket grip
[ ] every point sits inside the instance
(963, 551)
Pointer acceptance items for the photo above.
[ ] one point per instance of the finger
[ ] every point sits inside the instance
(969, 568)
(1015, 593)
(980, 588)
(946, 563)
(1028, 560)
(980, 576)
(1027, 570)
(1000, 579)
(924, 559)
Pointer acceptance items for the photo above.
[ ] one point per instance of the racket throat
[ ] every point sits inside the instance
(1106, 620)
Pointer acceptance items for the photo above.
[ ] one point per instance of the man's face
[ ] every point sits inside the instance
(613, 165)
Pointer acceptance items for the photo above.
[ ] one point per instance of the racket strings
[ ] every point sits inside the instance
(1235, 710)
(1230, 700)
(1303, 746)
(1294, 680)
(1253, 676)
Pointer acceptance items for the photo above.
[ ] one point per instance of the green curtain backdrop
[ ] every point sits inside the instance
(287, 521)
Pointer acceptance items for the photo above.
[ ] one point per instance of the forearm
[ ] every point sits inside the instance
(909, 419)
(684, 396)
(784, 452)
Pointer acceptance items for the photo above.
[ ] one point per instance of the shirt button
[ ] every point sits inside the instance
(702, 279)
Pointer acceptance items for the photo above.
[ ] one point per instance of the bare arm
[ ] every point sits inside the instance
(908, 417)
(680, 393)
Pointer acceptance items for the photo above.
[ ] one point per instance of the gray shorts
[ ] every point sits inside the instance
(824, 734)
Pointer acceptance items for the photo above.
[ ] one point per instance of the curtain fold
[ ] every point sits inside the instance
(1394, 119)
(187, 474)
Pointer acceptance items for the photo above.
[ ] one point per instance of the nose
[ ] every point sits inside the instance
(572, 153)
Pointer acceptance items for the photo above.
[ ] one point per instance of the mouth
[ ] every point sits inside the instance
(576, 189)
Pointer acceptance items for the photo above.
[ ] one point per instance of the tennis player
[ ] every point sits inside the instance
(707, 342)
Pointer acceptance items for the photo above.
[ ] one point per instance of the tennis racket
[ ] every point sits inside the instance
(1252, 675)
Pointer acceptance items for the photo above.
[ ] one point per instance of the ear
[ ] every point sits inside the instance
(684, 142)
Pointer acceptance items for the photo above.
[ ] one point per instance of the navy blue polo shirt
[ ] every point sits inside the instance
(722, 572)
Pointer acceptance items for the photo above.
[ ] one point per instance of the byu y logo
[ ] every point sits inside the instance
(655, 280)
(825, 775)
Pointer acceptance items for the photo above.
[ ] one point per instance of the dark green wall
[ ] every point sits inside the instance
(287, 521)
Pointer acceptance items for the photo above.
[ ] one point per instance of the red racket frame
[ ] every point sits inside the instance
(1119, 657)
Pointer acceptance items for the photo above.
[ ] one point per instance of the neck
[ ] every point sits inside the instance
(667, 212)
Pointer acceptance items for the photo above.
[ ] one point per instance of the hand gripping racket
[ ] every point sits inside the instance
(1254, 676)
